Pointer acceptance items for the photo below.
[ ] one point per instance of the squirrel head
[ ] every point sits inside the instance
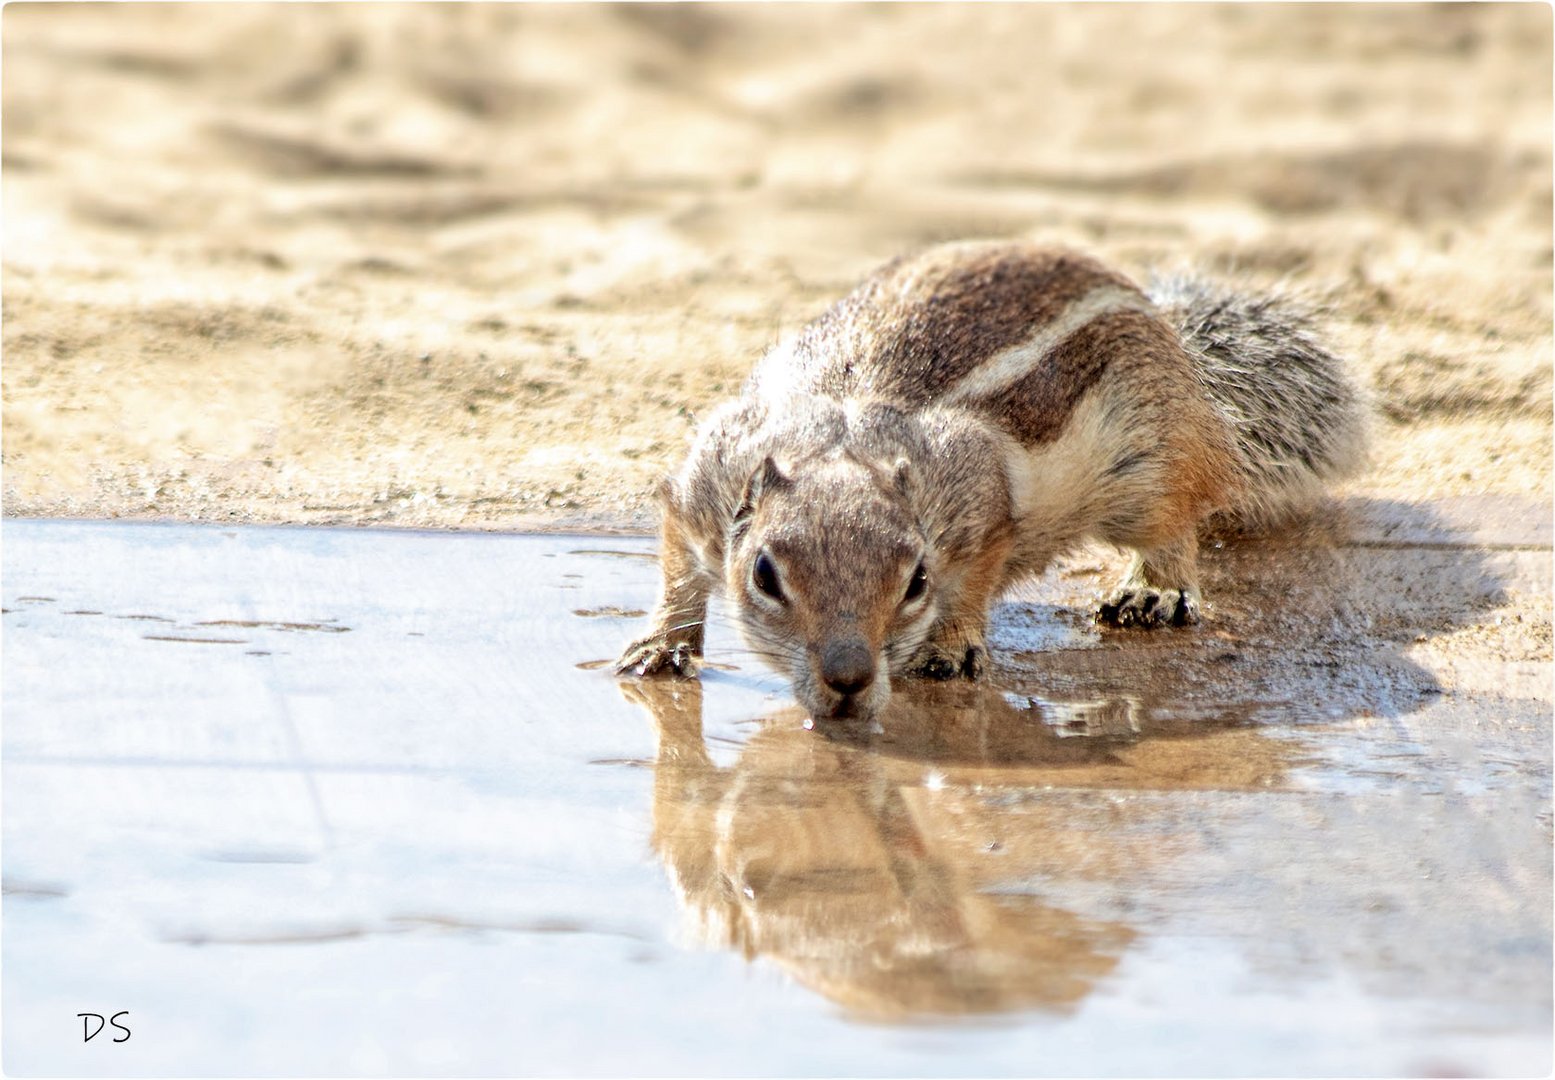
(832, 578)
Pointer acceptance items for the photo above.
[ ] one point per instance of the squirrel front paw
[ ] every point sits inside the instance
(657, 655)
(942, 660)
(1147, 607)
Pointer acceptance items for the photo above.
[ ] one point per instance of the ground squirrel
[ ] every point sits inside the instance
(960, 419)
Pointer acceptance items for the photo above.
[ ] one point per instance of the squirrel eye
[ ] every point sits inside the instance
(765, 577)
(915, 587)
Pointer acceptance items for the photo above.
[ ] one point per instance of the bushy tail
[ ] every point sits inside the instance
(1301, 422)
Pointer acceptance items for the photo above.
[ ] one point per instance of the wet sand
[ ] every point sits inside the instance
(376, 791)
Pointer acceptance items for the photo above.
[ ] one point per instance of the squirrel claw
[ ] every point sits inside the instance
(943, 666)
(654, 657)
(1147, 607)
(937, 667)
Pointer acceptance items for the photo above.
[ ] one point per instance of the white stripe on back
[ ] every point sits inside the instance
(1007, 367)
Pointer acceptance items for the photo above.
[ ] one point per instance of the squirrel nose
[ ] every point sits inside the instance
(848, 667)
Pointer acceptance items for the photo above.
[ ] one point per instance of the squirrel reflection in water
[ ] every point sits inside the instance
(901, 872)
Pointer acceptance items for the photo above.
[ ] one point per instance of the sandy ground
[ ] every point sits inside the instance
(482, 266)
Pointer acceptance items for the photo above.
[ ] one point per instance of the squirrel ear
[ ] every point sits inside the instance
(767, 477)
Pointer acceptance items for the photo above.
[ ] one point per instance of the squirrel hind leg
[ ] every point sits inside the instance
(1161, 588)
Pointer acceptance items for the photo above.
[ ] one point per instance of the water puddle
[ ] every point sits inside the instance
(1307, 811)
(616, 553)
(293, 857)
(33, 890)
(251, 624)
(195, 640)
(394, 925)
(193, 635)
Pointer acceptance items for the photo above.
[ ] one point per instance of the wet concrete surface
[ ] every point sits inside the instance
(366, 802)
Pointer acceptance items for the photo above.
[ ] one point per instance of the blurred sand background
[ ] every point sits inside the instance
(482, 266)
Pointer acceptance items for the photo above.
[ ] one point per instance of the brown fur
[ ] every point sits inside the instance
(916, 326)
(950, 426)
(1036, 408)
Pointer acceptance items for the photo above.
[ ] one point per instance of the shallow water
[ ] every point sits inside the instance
(343, 802)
